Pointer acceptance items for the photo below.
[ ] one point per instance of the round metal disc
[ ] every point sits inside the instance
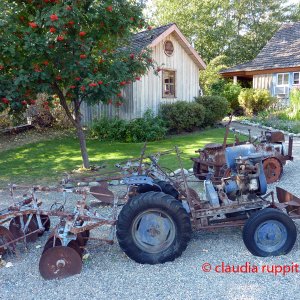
(60, 262)
(16, 230)
(273, 169)
(6, 237)
(72, 244)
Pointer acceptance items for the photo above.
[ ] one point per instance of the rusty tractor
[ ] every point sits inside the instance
(211, 162)
(159, 213)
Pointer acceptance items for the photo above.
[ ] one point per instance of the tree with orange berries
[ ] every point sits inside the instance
(71, 50)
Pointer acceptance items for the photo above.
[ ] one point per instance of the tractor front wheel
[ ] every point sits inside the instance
(269, 232)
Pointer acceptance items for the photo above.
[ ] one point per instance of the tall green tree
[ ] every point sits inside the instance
(235, 28)
(72, 50)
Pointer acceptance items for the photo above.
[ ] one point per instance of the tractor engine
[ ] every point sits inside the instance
(247, 178)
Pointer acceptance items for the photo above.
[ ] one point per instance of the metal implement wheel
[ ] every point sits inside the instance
(74, 244)
(153, 228)
(60, 262)
(273, 169)
(6, 237)
(16, 229)
(269, 232)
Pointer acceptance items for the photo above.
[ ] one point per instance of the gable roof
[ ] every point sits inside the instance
(150, 38)
(282, 51)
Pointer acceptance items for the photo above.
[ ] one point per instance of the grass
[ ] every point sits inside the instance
(46, 161)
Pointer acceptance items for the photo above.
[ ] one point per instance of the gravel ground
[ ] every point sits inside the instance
(109, 274)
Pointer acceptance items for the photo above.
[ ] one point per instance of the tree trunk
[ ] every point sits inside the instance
(82, 142)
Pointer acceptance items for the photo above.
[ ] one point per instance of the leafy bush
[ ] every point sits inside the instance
(295, 103)
(147, 128)
(231, 92)
(255, 100)
(216, 108)
(182, 116)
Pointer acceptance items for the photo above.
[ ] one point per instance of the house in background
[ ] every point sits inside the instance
(178, 79)
(276, 67)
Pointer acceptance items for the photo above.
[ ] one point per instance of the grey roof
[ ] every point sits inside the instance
(144, 38)
(282, 51)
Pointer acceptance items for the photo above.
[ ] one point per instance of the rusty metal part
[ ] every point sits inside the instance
(31, 233)
(288, 201)
(102, 193)
(6, 237)
(85, 236)
(60, 262)
(274, 136)
(273, 169)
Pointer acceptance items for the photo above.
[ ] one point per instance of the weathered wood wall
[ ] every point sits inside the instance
(147, 93)
(264, 81)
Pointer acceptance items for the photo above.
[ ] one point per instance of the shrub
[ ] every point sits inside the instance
(182, 116)
(147, 128)
(231, 92)
(106, 129)
(216, 108)
(255, 100)
(295, 103)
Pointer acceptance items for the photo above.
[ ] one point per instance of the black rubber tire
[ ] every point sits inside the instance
(264, 215)
(172, 208)
(161, 185)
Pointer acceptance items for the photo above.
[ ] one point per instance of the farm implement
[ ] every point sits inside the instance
(158, 212)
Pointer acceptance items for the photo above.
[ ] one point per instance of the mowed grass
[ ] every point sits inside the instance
(46, 161)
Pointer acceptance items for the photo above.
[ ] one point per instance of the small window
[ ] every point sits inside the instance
(169, 48)
(169, 84)
(296, 78)
(283, 79)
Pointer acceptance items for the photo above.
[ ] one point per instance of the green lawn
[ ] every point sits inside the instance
(46, 161)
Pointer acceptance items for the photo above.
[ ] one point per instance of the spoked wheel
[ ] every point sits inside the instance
(273, 169)
(60, 262)
(269, 232)
(16, 229)
(6, 237)
(153, 228)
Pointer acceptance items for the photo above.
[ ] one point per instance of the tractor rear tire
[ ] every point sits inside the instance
(153, 228)
(160, 185)
(269, 232)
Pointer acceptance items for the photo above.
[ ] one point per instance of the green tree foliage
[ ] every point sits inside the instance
(210, 79)
(74, 51)
(236, 28)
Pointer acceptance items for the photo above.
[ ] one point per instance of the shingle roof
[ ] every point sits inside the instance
(282, 51)
(144, 38)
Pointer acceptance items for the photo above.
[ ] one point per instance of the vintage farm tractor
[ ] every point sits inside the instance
(158, 215)
(211, 162)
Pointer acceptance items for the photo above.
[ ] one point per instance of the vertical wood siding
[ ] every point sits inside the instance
(147, 93)
(264, 81)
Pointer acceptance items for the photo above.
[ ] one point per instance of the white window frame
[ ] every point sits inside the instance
(284, 84)
(164, 95)
(294, 78)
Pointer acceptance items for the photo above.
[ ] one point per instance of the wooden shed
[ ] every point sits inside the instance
(178, 79)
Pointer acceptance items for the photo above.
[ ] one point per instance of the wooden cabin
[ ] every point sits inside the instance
(276, 67)
(178, 79)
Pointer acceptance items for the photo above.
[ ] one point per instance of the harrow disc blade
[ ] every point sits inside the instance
(16, 229)
(6, 237)
(60, 262)
(74, 244)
